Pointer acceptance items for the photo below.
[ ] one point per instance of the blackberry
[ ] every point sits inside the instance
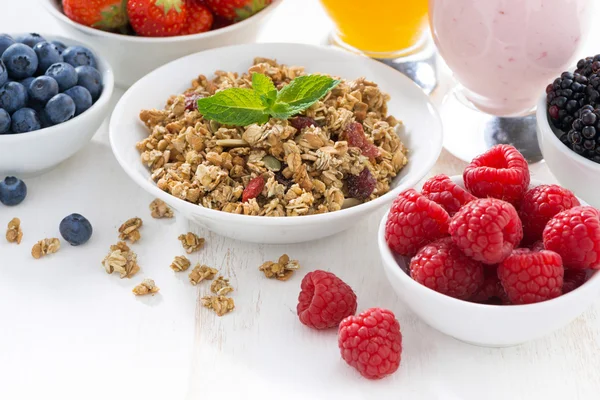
(564, 97)
(592, 90)
(588, 66)
(584, 136)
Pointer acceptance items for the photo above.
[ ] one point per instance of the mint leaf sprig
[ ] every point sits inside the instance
(242, 106)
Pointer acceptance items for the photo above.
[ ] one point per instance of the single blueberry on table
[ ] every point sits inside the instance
(82, 98)
(90, 78)
(3, 73)
(42, 89)
(5, 121)
(20, 60)
(65, 75)
(60, 108)
(30, 39)
(75, 229)
(25, 120)
(5, 42)
(12, 191)
(59, 45)
(47, 54)
(13, 96)
(78, 56)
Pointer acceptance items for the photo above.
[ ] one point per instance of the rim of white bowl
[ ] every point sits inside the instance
(390, 263)
(108, 83)
(372, 205)
(547, 131)
(53, 8)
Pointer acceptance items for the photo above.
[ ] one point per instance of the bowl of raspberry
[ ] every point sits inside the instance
(568, 128)
(492, 258)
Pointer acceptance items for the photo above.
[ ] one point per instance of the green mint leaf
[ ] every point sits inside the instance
(305, 91)
(235, 106)
(263, 85)
(283, 110)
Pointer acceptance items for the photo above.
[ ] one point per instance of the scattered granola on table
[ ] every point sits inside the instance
(343, 146)
(220, 304)
(221, 286)
(14, 234)
(146, 287)
(45, 247)
(180, 263)
(200, 273)
(191, 242)
(281, 270)
(130, 230)
(160, 209)
(122, 260)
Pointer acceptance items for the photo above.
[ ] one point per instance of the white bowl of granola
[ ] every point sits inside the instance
(318, 178)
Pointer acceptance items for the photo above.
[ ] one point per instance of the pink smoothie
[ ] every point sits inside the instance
(505, 52)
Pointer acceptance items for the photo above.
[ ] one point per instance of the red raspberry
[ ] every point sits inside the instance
(414, 221)
(324, 300)
(371, 342)
(253, 189)
(501, 172)
(575, 235)
(362, 185)
(539, 205)
(491, 292)
(538, 246)
(573, 279)
(441, 266)
(355, 135)
(446, 193)
(531, 277)
(300, 122)
(486, 230)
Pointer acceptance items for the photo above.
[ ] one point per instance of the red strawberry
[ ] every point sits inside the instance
(237, 9)
(102, 14)
(199, 18)
(157, 18)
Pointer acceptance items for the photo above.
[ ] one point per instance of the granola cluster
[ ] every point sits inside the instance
(121, 259)
(45, 247)
(281, 270)
(305, 170)
(148, 286)
(14, 234)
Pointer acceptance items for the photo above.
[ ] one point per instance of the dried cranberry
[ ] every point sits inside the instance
(191, 99)
(300, 122)
(254, 188)
(362, 185)
(355, 135)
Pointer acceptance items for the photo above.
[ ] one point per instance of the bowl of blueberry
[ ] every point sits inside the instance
(568, 128)
(54, 95)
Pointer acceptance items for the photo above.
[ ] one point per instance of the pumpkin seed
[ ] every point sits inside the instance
(272, 163)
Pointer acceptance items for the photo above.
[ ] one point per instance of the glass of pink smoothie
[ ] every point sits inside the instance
(503, 53)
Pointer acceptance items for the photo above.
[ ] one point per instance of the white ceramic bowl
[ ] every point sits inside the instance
(480, 324)
(132, 57)
(423, 136)
(33, 153)
(573, 171)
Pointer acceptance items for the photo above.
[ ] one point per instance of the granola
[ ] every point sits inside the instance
(305, 168)
(220, 304)
(160, 209)
(180, 263)
(281, 270)
(191, 242)
(45, 247)
(14, 234)
(200, 273)
(122, 260)
(221, 286)
(130, 230)
(146, 287)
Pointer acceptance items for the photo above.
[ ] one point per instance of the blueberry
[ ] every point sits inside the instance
(12, 191)
(59, 45)
(47, 54)
(20, 60)
(42, 89)
(27, 81)
(5, 42)
(76, 229)
(90, 78)
(44, 119)
(60, 108)
(25, 120)
(13, 96)
(3, 74)
(30, 39)
(82, 98)
(65, 75)
(4, 121)
(78, 56)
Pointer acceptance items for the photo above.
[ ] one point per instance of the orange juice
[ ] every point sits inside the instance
(395, 27)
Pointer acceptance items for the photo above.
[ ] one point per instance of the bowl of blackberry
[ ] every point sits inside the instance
(568, 121)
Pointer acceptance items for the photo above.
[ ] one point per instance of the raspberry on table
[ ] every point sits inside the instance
(486, 230)
(446, 193)
(573, 279)
(371, 342)
(491, 292)
(575, 235)
(530, 277)
(414, 221)
(442, 267)
(324, 300)
(539, 205)
(501, 172)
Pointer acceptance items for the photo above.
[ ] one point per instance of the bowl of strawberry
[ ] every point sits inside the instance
(492, 257)
(137, 36)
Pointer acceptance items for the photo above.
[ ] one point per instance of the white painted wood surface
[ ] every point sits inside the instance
(70, 331)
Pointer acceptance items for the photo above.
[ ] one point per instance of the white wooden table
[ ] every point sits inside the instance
(70, 331)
